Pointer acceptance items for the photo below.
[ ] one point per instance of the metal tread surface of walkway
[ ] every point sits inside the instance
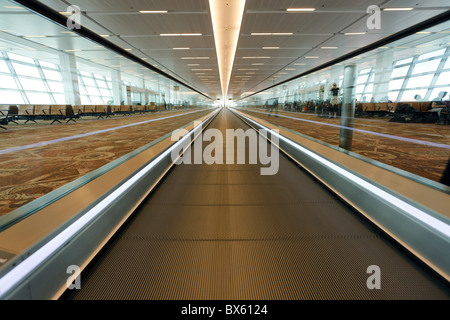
(225, 232)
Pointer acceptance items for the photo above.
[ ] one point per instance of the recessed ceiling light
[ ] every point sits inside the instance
(300, 9)
(423, 32)
(311, 57)
(272, 34)
(354, 33)
(257, 64)
(105, 35)
(201, 69)
(181, 48)
(289, 69)
(195, 58)
(154, 11)
(270, 48)
(72, 50)
(179, 34)
(328, 47)
(35, 36)
(398, 9)
(193, 64)
(299, 64)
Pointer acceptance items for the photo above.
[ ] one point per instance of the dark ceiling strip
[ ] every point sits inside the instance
(50, 14)
(445, 16)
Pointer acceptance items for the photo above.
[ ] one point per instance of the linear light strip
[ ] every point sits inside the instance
(45, 143)
(384, 135)
(23, 269)
(226, 17)
(405, 207)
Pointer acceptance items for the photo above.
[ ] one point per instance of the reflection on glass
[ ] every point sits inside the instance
(402, 101)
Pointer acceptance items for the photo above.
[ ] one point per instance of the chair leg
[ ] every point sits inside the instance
(55, 120)
(3, 127)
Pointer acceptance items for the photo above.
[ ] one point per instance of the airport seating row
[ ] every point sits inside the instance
(418, 111)
(59, 113)
(413, 111)
(390, 107)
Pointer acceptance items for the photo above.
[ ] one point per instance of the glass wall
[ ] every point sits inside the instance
(95, 89)
(399, 98)
(27, 80)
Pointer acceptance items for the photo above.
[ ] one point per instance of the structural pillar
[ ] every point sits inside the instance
(383, 72)
(348, 107)
(69, 73)
(117, 87)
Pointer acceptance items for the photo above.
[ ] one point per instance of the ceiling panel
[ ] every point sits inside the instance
(132, 5)
(318, 4)
(299, 23)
